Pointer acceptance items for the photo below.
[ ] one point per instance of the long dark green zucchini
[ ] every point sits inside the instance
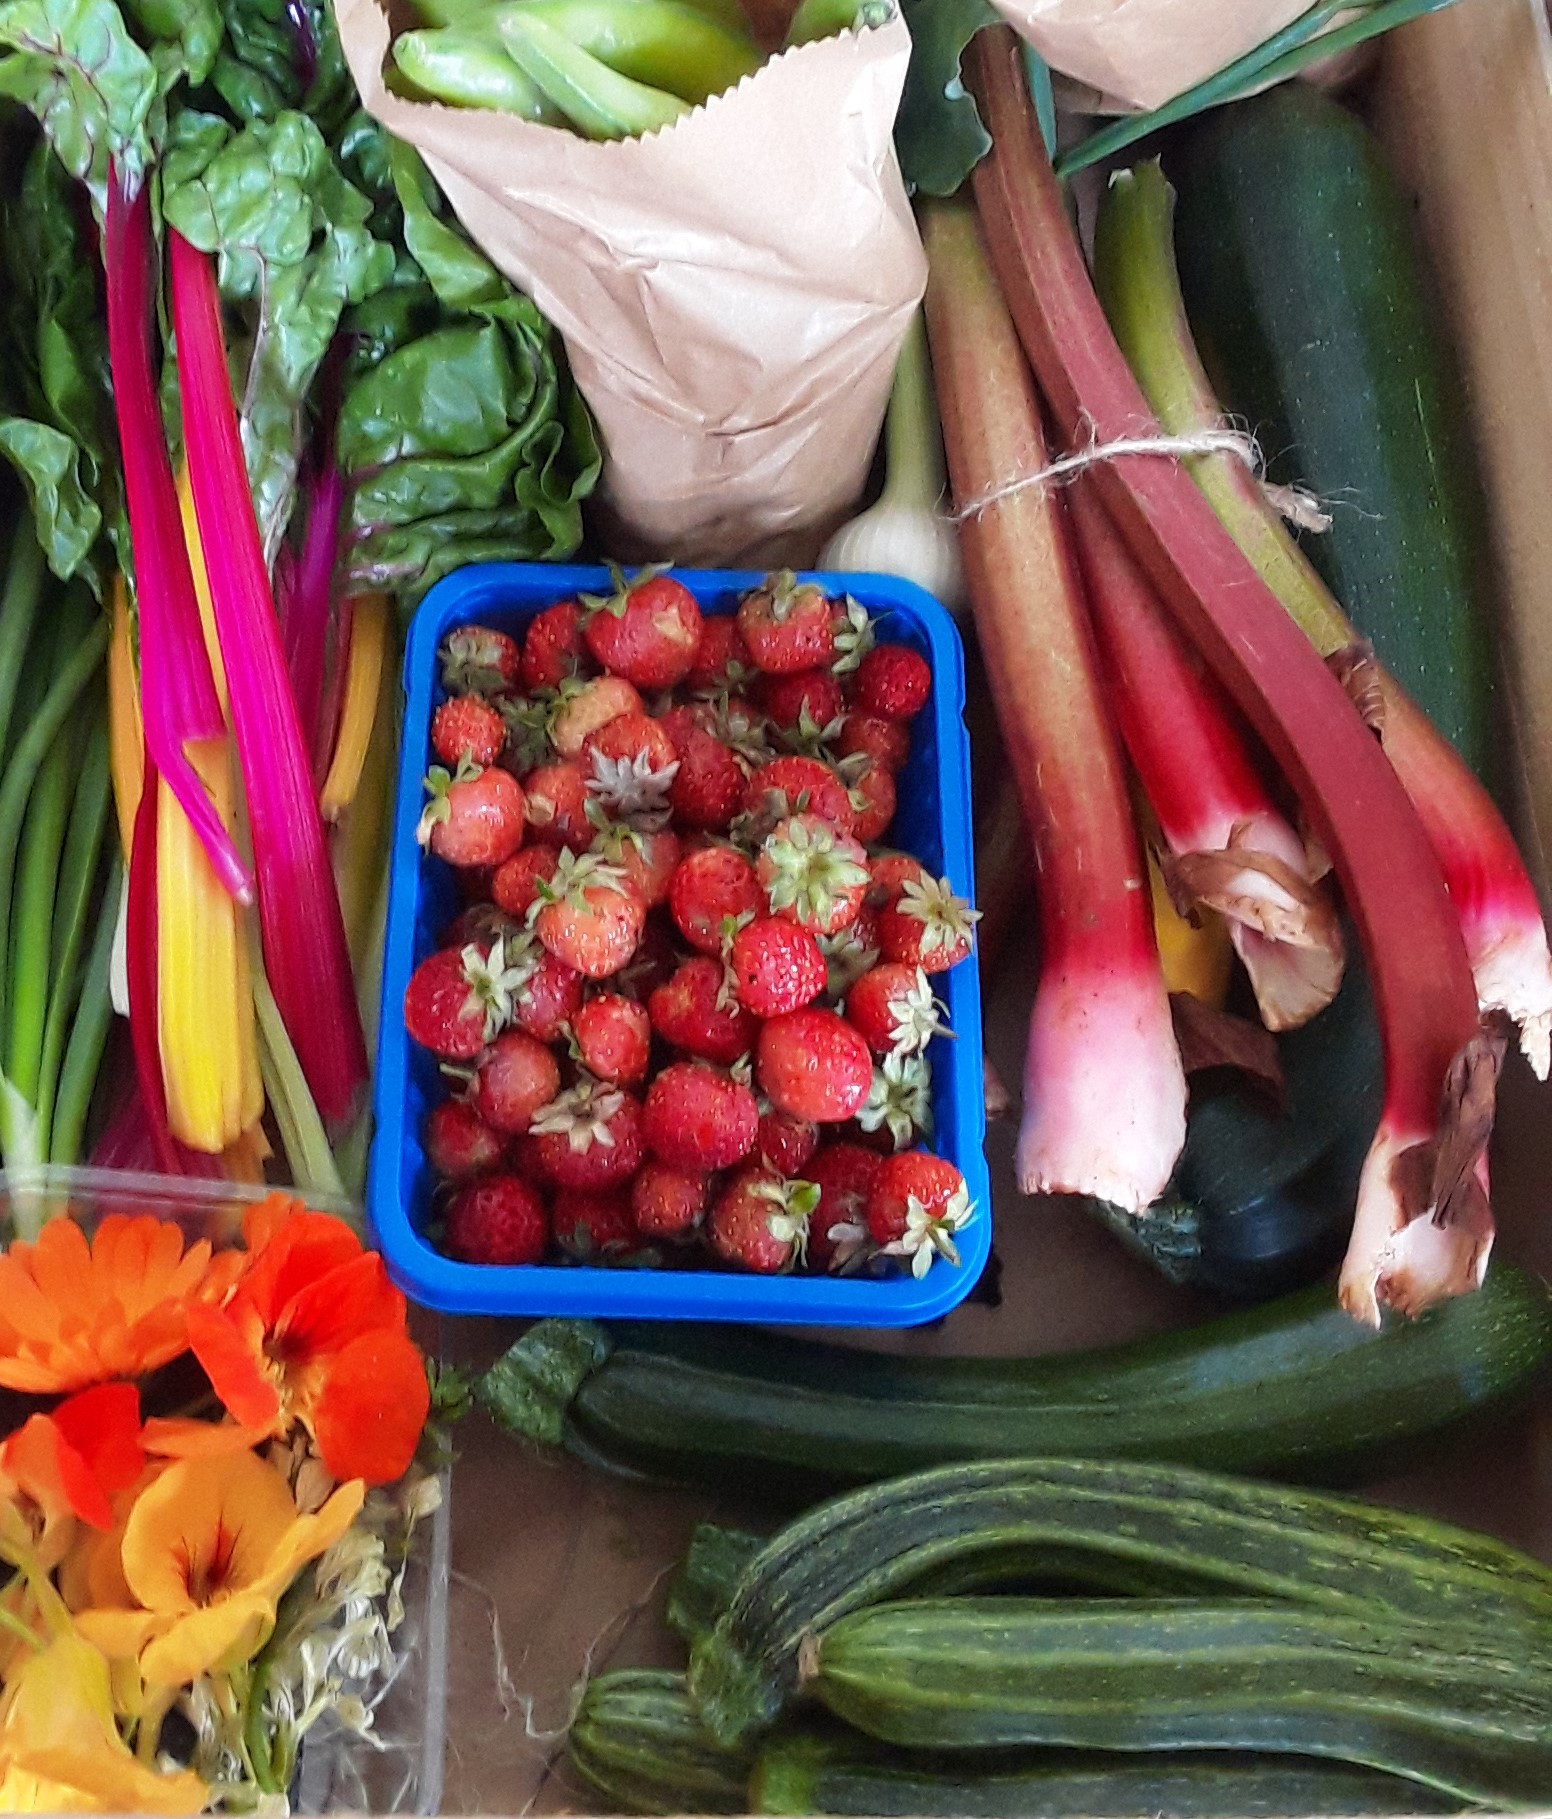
(638, 1744)
(839, 1771)
(1320, 325)
(999, 1673)
(1108, 1524)
(703, 1587)
(1294, 1388)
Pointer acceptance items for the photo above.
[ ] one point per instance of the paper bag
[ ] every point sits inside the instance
(732, 291)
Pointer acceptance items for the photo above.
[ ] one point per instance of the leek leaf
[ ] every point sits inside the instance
(938, 134)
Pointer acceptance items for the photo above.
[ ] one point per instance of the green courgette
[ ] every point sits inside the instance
(1294, 1387)
(841, 1772)
(1106, 1525)
(638, 1744)
(703, 1587)
(1319, 324)
(999, 1673)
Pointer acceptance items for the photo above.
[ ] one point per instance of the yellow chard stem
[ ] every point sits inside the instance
(126, 735)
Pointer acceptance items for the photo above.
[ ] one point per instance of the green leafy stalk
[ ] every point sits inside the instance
(89, 1032)
(32, 921)
(302, 1136)
(18, 613)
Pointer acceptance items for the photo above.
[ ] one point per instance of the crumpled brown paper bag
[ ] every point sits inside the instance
(732, 291)
(1142, 53)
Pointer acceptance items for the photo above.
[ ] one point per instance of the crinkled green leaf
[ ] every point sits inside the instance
(194, 26)
(460, 274)
(938, 132)
(283, 54)
(68, 518)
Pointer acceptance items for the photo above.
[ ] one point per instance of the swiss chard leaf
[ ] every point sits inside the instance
(938, 132)
(283, 54)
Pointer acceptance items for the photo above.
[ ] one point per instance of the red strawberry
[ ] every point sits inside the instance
(517, 1074)
(893, 680)
(589, 1226)
(927, 925)
(814, 1065)
(760, 1222)
(709, 785)
(899, 1106)
(589, 916)
(710, 893)
(886, 742)
(648, 858)
(653, 963)
(515, 886)
(459, 1144)
(584, 707)
(474, 817)
(549, 1000)
(891, 872)
(465, 727)
(461, 998)
(482, 923)
(778, 966)
(632, 736)
(479, 661)
(796, 786)
(648, 630)
(785, 1142)
(873, 797)
(894, 1008)
(697, 1011)
(699, 1118)
(786, 623)
(553, 650)
(631, 766)
(668, 1202)
(557, 805)
(916, 1205)
(613, 1038)
(844, 1173)
(589, 1137)
(498, 1220)
(813, 694)
(813, 875)
(722, 662)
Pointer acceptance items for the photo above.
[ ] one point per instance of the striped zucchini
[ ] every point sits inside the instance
(1293, 1388)
(703, 1587)
(638, 1745)
(1122, 1674)
(839, 1771)
(1102, 1524)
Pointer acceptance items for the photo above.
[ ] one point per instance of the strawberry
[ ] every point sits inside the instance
(557, 805)
(482, 922)
(814, 1065)
(477, 660)
(813, 875)
(873, 797)
(648, 630)
(786, 625)
(893, 680)
(668, 1202)
(778, 966)
(760, 1222)
(927, 925)
(894, 1008)
(589, 916)
(813, 694)
(653, 963)
(697, 1011)
(648, 857)
(459, 1144)
(631, 737)
(898, 1109)
(851, 953)
(785, 1142)
(474, 817)
(712, 891)
(844, 1173)
(794, 786)
(891, 872)
(915, 1206)
(585, 707)
(697, 1117)
(465, 727)
(526, 719)
(722, 662)
(708, 787)
(631, 770)
(515, 886)
(589, 1137)
(612, 1036)
(549, 1000)
(497, 1220)
(461, 998)
(553, 651)
(593, 1225)
(517, 1074)
(864, 735)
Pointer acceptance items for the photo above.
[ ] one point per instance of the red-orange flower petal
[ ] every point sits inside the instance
(178, 1437)
(368, 1419)
(46, 1469)
(302, 1247)
(103, 1425)
(323, 1315)
(234, 1367)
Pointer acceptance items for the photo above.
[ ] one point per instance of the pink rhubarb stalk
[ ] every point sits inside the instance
(1232, 850)
(305, 952)
(1104, 1092)
(1424, 995)
(178, 692)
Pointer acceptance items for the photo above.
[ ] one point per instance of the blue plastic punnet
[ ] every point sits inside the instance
(932, 822)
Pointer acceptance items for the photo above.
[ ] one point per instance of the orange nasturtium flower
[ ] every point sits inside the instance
(315, 1333)
(74, 1313)
(70, 1462)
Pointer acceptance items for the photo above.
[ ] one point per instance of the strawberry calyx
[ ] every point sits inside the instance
(854, 637)
(916, 1015)
(947, 921)
(582, 1115)
(471, 662)
(900, 1099)
(786, 593)
(495, 978)
(808, 739)
(846, 960)
(793, 1204)
(810, 870)
(617, 604)
(930, 1235)
(438, 786)
(631, 789)
(528, 721)
(574, 876)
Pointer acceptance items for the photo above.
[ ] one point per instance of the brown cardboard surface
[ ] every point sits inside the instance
(556, 1566)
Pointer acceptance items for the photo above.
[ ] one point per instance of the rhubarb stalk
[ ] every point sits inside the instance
(1104, 1093)
(1500, 917)
(1422, 1230)
(1231, 849)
